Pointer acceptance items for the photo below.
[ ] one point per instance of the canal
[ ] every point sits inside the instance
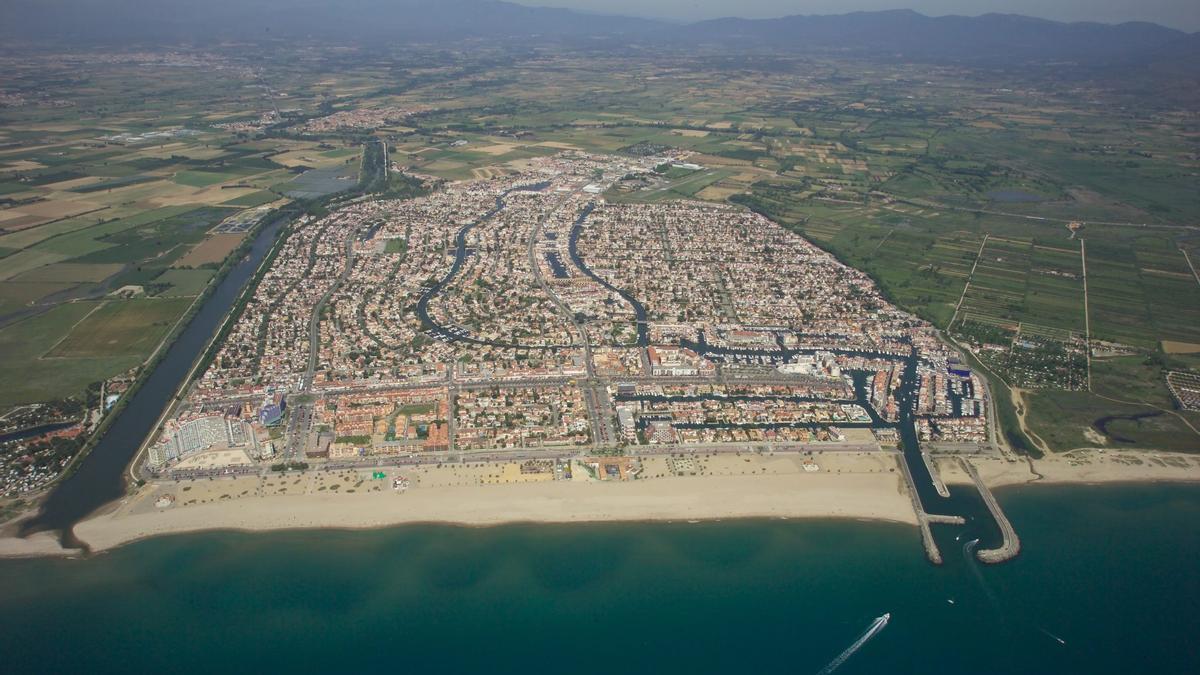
(461, 252)
(99, 477)
(639, 310)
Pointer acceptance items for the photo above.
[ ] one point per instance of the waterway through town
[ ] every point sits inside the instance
(461, 252)
(964, 501)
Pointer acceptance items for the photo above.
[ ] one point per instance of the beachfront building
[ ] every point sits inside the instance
(187, 436)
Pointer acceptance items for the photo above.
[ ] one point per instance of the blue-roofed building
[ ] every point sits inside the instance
(270, 415)
(956, 367)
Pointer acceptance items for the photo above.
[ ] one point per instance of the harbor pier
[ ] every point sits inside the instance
(924, 519)
(1010, 546)
(938, 483)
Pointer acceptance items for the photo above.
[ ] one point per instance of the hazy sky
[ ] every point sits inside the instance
(1182, 14)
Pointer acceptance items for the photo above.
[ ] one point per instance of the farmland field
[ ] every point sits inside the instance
(184, 283)
(212, 249)
(28, 376)
(120, 328)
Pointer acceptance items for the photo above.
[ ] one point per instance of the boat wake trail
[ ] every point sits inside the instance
(874, 629)
(969, 555)
(1052, 635)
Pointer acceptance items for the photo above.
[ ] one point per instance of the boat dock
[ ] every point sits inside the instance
(945, 520)
(938, 483)
(1011, 544)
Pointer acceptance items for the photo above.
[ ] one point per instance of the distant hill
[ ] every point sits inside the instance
(992, 37)
(1180, 55)
(1006, 39)
(92, 21)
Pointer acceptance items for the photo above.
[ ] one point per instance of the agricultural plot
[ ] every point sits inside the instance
(1142, 295)
(28, 377)
(920, 262)
(120, 328)
(16, 296)
(70, 272)
(90, 205)
(211, 250)
(183, 283)
(203, 178)
(252, 199)
(1019, 284)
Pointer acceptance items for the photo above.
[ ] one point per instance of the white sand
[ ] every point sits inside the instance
(847, 485)
(850, 486)
(37, 545)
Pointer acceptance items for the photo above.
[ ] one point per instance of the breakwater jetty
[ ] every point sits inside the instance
(938, 483)
(1010, 545)
(924, 519)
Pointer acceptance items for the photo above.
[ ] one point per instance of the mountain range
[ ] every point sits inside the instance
(903, 34)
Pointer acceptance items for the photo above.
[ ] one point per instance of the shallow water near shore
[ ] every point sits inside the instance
(1109, 571)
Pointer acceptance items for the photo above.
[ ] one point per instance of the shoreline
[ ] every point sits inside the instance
(876, 496)
(10, 549)
(863, 486)
(854, 486)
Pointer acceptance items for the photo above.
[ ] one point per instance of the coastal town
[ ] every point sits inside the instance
(333, 334)
(530, 314)
(535, 327)
(530, 321)
(484, 353)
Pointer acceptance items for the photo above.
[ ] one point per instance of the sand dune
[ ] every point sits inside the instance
(1080, 466)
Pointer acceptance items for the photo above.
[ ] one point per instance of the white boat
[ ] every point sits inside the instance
(876, 626)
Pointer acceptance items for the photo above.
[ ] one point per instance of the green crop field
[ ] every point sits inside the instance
(202, 178)
(1029, 285)
(121, 328)
(253, 199)
(184, 283)
(29, 377)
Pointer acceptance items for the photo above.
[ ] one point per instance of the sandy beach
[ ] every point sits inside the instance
(858, 485)
(35, 546)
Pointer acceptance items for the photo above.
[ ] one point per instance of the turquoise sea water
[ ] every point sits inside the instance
(1111, 571)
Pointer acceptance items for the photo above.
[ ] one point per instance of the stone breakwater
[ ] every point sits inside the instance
(1010, 545)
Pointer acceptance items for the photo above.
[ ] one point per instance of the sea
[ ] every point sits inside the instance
(1108, 581)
